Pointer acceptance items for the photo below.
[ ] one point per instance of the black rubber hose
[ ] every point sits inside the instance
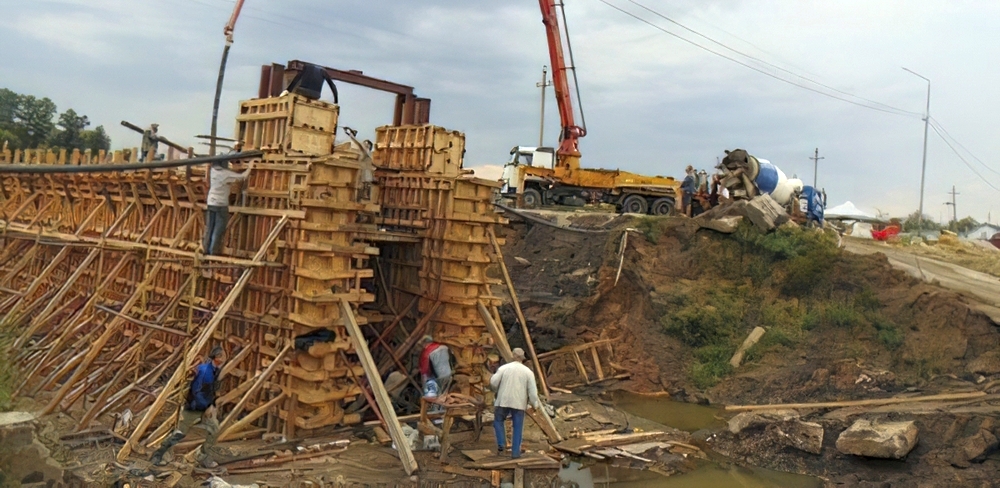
(121, 167)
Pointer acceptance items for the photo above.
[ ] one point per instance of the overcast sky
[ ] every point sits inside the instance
(653, 103)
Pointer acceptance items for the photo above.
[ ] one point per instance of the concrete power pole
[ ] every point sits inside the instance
(815, 160)
(954, 207)
(923, 166)
(544, 83)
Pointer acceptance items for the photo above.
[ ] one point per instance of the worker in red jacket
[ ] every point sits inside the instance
(435, 364)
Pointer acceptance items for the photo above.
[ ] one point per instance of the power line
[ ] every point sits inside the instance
(772, 65)
(894, 111)
(971, 167)
(938, 123)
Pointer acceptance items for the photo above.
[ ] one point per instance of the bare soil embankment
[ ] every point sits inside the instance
(839, 326)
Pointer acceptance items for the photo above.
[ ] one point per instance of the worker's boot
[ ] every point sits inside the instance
(157, 457)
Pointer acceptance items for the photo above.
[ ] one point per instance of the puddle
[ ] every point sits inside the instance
(710, 475)
(688, 417)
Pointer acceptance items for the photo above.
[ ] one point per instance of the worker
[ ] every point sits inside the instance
(217, 215)
(198, 407)
(515, 389)
(688, 187)
(150, 143)
(435, 364)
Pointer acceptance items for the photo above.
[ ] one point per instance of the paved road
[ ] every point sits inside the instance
(980, 287)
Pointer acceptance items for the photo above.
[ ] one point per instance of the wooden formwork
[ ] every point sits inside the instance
(111, 303)
(291, 124)
(420, 148)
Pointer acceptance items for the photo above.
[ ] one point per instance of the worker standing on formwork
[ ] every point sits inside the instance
(515, 386)
(199, 407)
(150, 143)
(217, 216)
(435, 364)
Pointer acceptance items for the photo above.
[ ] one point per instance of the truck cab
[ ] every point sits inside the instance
(538, 157)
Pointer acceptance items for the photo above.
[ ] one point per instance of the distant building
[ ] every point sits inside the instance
(984, 231)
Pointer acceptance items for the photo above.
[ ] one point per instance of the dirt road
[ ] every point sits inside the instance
(979, 287)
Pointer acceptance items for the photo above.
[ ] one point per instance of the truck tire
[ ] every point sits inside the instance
(662, 206)
(635, 204)
(531, 198)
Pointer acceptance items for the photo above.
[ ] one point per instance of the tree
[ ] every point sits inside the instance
(910, 224)
(965, 225)
(33, 118)
(10, 138)
(72, 126)
(9, 102)
(95, 140)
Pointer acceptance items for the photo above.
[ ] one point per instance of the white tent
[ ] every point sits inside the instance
(847, 211)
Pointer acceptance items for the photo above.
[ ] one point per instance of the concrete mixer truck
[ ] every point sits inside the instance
(746, 177)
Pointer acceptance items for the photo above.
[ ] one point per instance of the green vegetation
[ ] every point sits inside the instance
(27, 122)
(793, 282)
(7, 375)
(652, 228)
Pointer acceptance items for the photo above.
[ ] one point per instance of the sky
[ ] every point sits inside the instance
(653, 103)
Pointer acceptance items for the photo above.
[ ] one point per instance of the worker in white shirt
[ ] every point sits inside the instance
(515, 389)
(217, 215)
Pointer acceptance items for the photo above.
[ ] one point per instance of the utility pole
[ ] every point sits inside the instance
(923, 166)
(542, 84)
(815, 160)
(954, 208)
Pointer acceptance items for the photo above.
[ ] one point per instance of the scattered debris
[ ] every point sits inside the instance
(887, 440)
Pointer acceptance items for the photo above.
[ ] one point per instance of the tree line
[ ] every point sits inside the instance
(28, 122)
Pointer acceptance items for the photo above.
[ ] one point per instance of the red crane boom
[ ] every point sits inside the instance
(568, 154)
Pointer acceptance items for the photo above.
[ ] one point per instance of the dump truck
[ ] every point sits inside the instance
(536, 176)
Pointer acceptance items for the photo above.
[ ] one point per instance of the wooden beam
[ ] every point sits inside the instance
(195, 350)
(413, 337)
(520, 314)
(381, 396)
(859, 403)
(258, 382)
(235, 429)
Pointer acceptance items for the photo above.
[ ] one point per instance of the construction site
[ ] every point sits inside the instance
(710, 331)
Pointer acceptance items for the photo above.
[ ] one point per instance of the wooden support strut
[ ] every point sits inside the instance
(520, 314)
(258, 382)
(200, 343)
(378, 388)
(538, 415)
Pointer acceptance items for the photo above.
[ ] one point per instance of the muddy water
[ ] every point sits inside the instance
(690, 417)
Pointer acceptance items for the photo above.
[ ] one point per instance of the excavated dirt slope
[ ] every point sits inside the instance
(839, 326)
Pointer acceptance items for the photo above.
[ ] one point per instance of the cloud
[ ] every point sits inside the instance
(652, 102)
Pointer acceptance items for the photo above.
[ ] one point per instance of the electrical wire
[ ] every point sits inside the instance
(946, 133)
(971, 167)
(893, 111)
(779, 68)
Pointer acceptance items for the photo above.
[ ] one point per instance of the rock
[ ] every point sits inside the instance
(765, 213)
(747, 420)
(726, 225)
(804, 436)
(16, 430)
(987, 363)
(886, 440)
(975, 447)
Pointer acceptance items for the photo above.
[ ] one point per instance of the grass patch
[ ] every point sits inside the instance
(8, 376)
(711, 365)
(709, 320)
(652, 228)
(843, 315)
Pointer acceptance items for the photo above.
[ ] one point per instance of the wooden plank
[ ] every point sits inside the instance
(195, 351)
(258, 382)
(234, 430)
(859, 403)
(538, 415)
(597, 363)
(542, 381)
(381, 396)
(518, 477)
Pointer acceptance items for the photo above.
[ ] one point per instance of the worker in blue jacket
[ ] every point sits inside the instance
(198, 407)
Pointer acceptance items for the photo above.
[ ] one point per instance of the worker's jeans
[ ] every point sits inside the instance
(216, 219)
(188, 419)
(500, 414)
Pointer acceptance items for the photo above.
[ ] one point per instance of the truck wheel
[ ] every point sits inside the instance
(635, 204)
(531, 198)
(662, 206)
